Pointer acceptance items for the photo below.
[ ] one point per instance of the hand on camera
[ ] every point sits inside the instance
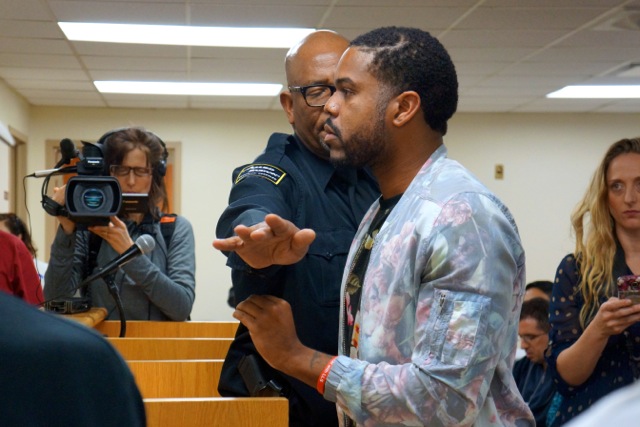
(59, 197)
(115, 233)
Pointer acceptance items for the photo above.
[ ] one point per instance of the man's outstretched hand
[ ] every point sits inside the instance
(275, 241)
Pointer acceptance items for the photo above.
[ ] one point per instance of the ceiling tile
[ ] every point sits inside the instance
(508, 54)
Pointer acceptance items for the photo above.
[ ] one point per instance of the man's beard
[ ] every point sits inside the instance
(364, 147)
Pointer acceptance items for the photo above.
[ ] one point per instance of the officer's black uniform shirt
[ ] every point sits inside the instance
(290, 181)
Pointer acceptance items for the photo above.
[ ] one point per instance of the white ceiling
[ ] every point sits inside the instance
(508, 53)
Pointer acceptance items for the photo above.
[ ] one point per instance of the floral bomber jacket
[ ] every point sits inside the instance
(439, 310)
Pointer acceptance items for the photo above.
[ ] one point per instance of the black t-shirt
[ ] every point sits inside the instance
(359, 270)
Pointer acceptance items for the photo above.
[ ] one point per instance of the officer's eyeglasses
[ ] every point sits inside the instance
(315, 95)
(120, 170)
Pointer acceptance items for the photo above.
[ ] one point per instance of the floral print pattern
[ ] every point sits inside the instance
(439, 311)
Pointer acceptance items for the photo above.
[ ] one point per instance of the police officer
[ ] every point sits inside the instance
(295, 180)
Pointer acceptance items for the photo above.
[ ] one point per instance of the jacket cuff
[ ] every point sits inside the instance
(339, 368)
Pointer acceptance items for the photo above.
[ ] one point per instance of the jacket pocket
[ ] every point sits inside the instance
(457, 318)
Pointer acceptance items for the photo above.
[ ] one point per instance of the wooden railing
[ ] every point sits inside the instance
(171, 348)
(176, 378)
(142, 328)
(217, 411)
(177, 365)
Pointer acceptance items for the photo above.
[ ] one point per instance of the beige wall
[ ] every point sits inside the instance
(548, 160)
(14, 110)
(14, 114)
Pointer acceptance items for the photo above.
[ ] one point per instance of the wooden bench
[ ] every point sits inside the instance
(227, 412)
(176, 378)
(157, 329)
(171, 348)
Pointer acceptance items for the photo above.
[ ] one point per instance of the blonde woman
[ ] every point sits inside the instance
(595, 337)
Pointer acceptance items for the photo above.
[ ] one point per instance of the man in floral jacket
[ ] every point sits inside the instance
(434, 280)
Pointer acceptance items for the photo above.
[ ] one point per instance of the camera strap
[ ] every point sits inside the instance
(167, 227)
(92, 258)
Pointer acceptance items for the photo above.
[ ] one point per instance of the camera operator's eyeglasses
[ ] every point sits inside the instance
(119, 170)
(315, 95)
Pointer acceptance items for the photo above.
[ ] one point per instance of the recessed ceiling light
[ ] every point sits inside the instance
(189, 88)
(602, 91)
(184, 35)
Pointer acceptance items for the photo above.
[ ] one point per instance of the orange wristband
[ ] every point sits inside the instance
(324, 374)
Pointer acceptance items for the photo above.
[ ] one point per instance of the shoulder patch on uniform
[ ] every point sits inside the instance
(262, 170)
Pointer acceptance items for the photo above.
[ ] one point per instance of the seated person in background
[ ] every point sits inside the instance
(157, 286)
(18, 276)
(11, 223)
(535, 384)
(58, 373)
(595, 336)
(538, 289)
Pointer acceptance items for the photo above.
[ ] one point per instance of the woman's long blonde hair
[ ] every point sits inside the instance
(594, 229)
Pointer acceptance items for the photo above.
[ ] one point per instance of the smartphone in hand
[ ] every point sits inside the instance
(629, 288)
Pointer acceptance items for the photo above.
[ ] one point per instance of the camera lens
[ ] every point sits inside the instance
(93, 198)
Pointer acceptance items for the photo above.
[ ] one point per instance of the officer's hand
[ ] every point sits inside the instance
(274, 241)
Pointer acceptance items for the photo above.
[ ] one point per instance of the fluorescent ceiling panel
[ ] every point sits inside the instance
(184, 35)
(188, 88)
(604, 91)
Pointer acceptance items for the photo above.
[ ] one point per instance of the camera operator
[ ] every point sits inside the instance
(157, 286)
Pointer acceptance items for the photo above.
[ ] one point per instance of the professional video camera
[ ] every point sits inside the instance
(92, 196)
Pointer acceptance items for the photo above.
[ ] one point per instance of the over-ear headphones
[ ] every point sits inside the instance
(161, 168)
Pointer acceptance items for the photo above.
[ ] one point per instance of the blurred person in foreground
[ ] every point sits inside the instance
(619, 408)
(59, 373)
